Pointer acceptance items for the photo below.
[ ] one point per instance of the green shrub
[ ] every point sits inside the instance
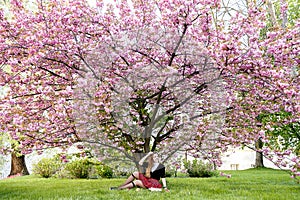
(63, 173)
(72, 166)
(171, 172)
(198, 168)
(47, 167)
(79, 168)
(104, 171)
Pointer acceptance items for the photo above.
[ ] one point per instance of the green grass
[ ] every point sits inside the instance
(248, 184)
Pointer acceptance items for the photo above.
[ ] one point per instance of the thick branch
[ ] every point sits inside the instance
(54, 74)
(185, 26)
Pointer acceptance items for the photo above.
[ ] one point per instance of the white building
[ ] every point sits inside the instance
(240, 159)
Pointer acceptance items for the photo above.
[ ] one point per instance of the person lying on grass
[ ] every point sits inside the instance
(154, 172)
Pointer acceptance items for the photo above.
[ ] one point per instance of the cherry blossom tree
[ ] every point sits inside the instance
(157, 83)
(35, 102)
(285, 134)
(273, 71)
(136, 76)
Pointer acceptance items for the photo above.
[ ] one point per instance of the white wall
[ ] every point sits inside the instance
(240, 159)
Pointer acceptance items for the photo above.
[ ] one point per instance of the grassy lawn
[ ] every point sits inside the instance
(248, 184)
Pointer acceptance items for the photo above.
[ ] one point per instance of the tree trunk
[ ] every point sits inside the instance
(137, 158)
(18, 165)
(259, 162)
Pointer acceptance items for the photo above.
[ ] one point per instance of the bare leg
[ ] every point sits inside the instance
(130, 178)
(133, 184)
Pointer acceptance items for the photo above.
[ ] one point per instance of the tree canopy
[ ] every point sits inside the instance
(136, 76)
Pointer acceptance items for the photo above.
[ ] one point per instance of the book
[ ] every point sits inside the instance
(155, 189)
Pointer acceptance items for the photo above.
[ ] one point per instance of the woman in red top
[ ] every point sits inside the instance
(154, 172)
